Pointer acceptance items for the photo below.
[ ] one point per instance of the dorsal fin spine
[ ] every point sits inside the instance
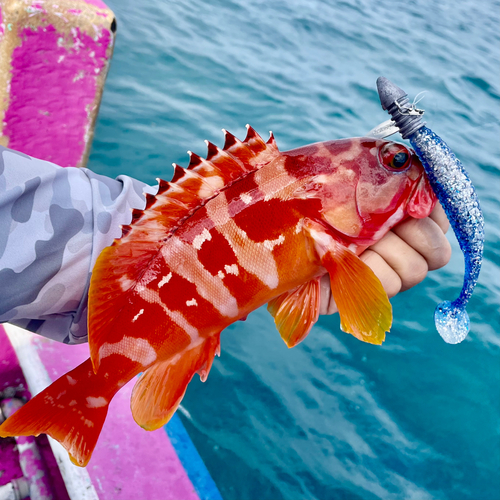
(162, 186)
(178, 172)
(252, 134)
(125, 229)
(136, 214)
(192, 175)
(198, 161)
(212, 150)
(150, 199)
(230, 140)
(194, 160)
(215, 153)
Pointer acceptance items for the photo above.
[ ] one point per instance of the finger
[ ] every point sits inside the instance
(410, 266)
(428, 239)
(389, 278)
(438, 215)
(385, 273)
(327, 304)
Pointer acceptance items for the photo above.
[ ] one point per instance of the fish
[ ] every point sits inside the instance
(456, 193)
(245, 226)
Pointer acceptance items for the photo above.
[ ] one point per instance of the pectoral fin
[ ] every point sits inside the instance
(364, 308)
(296, 311)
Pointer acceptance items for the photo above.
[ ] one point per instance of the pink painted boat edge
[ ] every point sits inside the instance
(65, 90)
(11, 375)
(97, 3)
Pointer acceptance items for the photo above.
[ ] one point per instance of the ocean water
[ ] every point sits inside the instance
(333, 418)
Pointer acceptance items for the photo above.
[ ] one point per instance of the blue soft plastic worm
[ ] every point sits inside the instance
(457, 195)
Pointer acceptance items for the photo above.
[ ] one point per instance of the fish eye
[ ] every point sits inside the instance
(399, 160)
(395, 157)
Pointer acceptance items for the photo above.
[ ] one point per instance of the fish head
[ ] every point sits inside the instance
(365, 185)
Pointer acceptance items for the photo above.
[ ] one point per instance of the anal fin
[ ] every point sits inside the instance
(160, 389)
(296, 311)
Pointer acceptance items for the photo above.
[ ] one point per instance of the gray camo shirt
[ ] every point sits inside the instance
(54, 222)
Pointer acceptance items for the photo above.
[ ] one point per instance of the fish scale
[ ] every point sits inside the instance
(246, 226)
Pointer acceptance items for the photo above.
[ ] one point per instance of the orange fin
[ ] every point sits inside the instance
(70, 410)
(160, 389)
(364, 308)
(120, 266)
(296, 311)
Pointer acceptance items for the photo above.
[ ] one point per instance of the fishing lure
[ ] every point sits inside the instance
(455, 191)
(246, 226)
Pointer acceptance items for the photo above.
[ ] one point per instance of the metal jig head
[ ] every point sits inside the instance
(406, 117)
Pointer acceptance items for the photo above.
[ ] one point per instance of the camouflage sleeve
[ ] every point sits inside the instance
(54, 222)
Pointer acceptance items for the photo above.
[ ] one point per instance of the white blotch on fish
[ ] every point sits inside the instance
(201, 238)
(134, 319)
(138, 350)
(93, 402)
(232, 269)
(165, 280)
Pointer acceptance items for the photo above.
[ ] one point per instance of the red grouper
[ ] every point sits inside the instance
(247, 226)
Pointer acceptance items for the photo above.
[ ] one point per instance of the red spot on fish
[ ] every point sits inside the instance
(216, 253)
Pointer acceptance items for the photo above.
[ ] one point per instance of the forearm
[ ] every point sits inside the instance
(54, 222)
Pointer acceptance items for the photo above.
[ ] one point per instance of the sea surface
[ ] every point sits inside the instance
(333, 418)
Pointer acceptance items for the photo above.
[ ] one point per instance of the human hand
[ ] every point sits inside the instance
(402, 258)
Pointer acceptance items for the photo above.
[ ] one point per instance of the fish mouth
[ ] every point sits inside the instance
(422, 199)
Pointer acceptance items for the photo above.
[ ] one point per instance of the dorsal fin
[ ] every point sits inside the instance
(204, 178)
(121, 266)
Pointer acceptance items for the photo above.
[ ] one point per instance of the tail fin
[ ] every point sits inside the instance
(72, 410)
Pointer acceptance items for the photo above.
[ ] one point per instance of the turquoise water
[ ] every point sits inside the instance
(332, 418)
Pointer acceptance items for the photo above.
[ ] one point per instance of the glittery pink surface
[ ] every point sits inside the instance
(9, 461)
(34, 467)
(11, 375)
(52, 91)
(97, 3)
(128, 462)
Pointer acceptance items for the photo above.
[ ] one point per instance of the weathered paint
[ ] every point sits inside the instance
(65, 77)
(11, 375)
(34, 468)
(53, 64)
(97, 3)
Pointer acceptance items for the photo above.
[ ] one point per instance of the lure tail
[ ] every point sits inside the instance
(69, 410)
(452, 321)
